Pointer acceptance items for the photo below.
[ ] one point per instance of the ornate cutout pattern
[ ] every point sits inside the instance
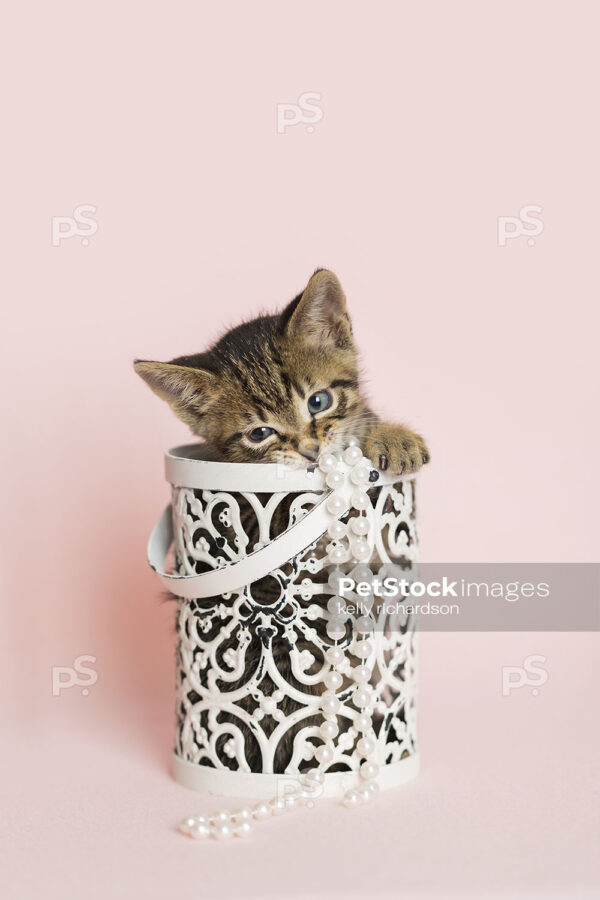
(248, 662)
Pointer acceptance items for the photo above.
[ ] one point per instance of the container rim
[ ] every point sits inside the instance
(190, 466)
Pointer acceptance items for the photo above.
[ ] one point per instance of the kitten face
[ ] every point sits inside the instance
(279, 388)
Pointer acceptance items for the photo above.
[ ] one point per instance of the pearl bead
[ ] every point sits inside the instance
(359, 525)
(337, 555)
(277, 806)
(334, 655)
(363, 649)
(223, 817)
(362, 572)
(261, 811)
(361, 550)
(330, 705)
(369, 771)
(360, 474)
(360, 500)
(361, 674)
(199, 830)
(365, 794)
(334, 579)
(351, 799)
(324, 754)
(352, 454)
(362, 722)
(336, 629)
(291, 800)
(369, 789)
(364, 624)
(362, 696)
(327, 462)
(352, 441)
(243, 830)
(312, 777)
(336, 606)
(333, 680)
(329, 730)
(336, 505)
(365, 746)
(335, 479)
(222, 832)
(337, 530)
(242, 815)
(188, 823)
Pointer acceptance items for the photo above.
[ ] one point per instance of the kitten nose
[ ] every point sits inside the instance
(309, 449)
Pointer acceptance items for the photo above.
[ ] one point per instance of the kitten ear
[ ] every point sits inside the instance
(319, 315)
(189, 391)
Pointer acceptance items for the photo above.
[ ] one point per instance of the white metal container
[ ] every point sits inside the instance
(251, 625)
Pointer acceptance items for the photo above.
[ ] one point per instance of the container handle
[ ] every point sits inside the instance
(237, 574)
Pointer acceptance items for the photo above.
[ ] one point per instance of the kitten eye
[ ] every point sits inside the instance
(260, 434)
(319, 401)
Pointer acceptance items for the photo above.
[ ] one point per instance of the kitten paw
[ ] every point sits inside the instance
(396, 449)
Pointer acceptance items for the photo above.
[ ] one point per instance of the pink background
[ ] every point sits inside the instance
(437, 118)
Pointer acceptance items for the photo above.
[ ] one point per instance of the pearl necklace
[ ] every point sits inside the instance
(347, 471)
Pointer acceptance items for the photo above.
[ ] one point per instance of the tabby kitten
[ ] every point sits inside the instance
(284, 388)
